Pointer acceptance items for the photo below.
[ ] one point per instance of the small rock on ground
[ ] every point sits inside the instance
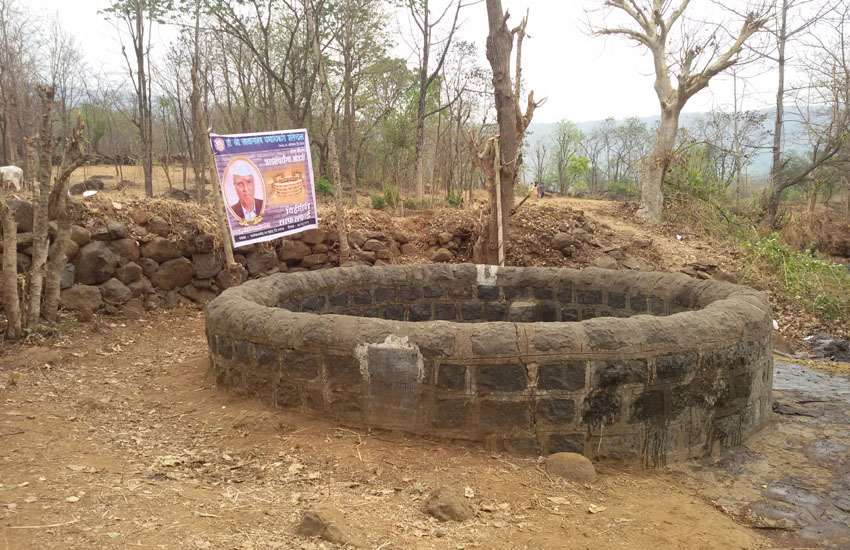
(572, 467)
(328, 524)
(447, 504)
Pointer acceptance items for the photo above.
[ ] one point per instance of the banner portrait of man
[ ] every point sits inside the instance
(246, 192)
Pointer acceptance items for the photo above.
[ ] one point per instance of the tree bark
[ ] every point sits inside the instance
(71, 160)
(656, 165)
(312, 31)
(11, 302)
(41, 196)
(776, 172)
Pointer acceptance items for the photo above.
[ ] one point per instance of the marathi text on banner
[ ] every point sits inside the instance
(266, 182)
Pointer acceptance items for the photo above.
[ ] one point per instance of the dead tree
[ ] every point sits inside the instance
(73, 158)
(649, 23)
(41, 194)
(11, 301)
(500, 157)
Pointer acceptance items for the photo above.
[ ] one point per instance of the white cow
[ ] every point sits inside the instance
(11, 176)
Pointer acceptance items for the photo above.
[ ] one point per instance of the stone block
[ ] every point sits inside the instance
(394, 312)
(522, 312)
(472, 310)
(95, 264)
(638, 304)
(362, 297)
(337, 300)
(173, 273)
(616, 300)
(601, 409)
(676, 366)
(343, 370)
(589, 297)
(514, 292)
(548, 312)
(419, 312)
(445, 312)
(301, 364)
(543, 293)
(496, 415)
(313, 303)
(656, 305)
(385, 294)
(81, 298)
(568, 376)
(409, 294)
(159, 250)
(617, 373)
(648, 407)
(569, 315)
(556, 411)
(565, 296)
(450, 413)
(345, 405)
(561, 443)
(500, 378)
(432, 291)
(487, 293)
(451, 377)
(495, 311)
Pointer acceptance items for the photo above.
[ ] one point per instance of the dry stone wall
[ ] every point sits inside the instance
(631, 366)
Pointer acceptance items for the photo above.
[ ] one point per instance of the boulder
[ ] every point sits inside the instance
(71, 248)
(79, 235)
(373, 245)
(448, 504)
(129, 272)
(113, 291)
(203, 243)
(357, 239)
(328, 524)
(173, 273)
(409, 249)
(23, 262)
(313, 260)
(141, 287)
(401, 237)
(66, 280)
(442, 255)
(126, 248)
(22, 210)
(445, 237)
(605, 262)
(321, 248)
(572, 467)
(313, 236)
(158, 226)
(80, 298)
(261, 261)
(149, 267)
(160, 250)
(95, 263)
(563, 240)
(638, 264)
(292, 251)
(116, 230)
(206, 265)
(133, 309)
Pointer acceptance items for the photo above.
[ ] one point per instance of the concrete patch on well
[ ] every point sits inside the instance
(392, 371)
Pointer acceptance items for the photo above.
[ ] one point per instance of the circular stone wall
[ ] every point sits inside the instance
(625, 365)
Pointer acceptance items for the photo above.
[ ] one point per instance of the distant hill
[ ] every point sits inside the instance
(795, 135)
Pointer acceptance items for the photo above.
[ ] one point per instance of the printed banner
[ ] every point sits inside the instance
(266, 182)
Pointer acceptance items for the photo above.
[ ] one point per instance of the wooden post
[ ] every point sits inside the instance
(222, 218)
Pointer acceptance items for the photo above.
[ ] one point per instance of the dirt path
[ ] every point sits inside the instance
(115, 438)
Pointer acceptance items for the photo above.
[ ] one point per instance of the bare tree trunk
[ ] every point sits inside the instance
(11, 302)
(41, 196)
(656, 165)
(776, 175)
(312, 31)
(71, 160)
(197, 112)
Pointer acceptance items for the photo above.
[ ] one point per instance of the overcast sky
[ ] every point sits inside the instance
(583, 77)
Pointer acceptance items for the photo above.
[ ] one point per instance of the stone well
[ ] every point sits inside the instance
(624, 365)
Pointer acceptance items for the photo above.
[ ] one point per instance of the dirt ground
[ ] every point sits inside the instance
(115, 437)
(112, 435)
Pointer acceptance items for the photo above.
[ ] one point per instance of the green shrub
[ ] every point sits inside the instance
(324, 187)
(822, 287)
(391, 196)
(454, 198)
(621, 189)
(411, 204)
(378, 202)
